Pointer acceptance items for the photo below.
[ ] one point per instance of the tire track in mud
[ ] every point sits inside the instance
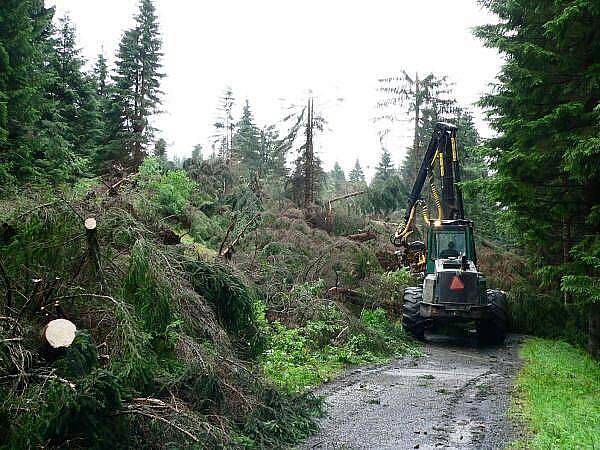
(455, 397)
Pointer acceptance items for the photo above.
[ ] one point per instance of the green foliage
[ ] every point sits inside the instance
(172, 189)
(385, 168)
(364, 264)
(542, 312)
(132, 102)
(86, 413)
(387, 194)
(298, 358)
(546, 156)
(80, 358)
(280, 421)
(346, 221)
(559, 392)
(233, 301)
(145, 289)
(357, 176)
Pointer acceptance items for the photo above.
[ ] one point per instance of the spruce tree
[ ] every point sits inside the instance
(197, 153)
(74, 93)
(247, 142)
(224, 127)
(424, 100)
(34, 143)
(547, 156)
(357, 176)
(101, 76)
(298, 177)
(337, 179)
(385, 168)
(136, 86)
(274, 152)
(160, 149)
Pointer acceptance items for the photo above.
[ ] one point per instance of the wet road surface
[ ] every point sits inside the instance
(455, 397)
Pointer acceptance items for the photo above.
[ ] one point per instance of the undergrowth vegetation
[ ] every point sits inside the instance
(176, 346)
(306, 356)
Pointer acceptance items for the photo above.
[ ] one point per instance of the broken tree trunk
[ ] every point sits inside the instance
(329, 218)
(227, 253)
(93, 248)
(362, 237)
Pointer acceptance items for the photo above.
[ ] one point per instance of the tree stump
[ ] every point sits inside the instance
(93, 249)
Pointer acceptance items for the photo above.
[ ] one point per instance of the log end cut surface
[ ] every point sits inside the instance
(60, 333)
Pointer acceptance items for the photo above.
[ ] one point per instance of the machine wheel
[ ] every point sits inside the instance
(492, 331)
(411, 317)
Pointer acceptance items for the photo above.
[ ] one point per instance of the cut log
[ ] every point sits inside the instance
(59, 333)
(362, 237)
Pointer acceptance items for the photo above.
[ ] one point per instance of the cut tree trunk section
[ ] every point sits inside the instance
(93, 249)
(59, 333)
(362, 237)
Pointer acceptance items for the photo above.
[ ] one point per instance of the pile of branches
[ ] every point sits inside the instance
(164, 342)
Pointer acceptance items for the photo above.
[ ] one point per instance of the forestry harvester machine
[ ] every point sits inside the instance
(453, 289)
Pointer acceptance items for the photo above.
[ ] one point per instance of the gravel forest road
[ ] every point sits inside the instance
(455, 397)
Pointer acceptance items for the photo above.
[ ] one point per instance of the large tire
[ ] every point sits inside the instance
(492, 331)
(412, 321)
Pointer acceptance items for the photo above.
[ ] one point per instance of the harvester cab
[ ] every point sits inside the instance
(453, 289)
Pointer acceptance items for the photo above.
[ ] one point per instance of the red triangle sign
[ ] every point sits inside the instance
(456, 284)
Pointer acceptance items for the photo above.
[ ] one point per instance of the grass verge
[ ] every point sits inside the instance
(558, 396)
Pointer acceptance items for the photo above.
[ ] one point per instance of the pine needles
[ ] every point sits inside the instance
(160, 359)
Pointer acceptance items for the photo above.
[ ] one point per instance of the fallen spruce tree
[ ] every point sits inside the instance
(153, 346)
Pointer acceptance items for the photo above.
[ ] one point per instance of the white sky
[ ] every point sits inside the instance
(267, 50)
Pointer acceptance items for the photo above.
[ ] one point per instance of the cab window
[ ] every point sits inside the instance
(447, 244)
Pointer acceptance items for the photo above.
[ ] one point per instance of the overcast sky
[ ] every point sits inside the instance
(269, 50)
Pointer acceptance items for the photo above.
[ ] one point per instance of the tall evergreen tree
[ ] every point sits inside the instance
(357, 176)
(160, 149)
(246, 142)
(137, 85)
(101, 75)
(337, 179)
(33, 139)
(547, 156)
(298, 177)
(385, 168)
(197, 152)
(74, 93)
(424, 100)
(224, 126)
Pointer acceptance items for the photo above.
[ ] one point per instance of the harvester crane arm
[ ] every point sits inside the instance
(442, 146)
